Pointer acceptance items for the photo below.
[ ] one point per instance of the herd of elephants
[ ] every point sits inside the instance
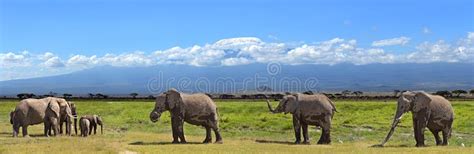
(431, 111)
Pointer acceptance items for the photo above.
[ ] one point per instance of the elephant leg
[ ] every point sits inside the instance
(181, 132)
(305, 133)
(60, 127)
(208, 138)
(297, 127)
(326, 131)
(215, 128)
(436, 136)
(174, 130)
(47, 128)
(75, 126)
(446, 133)
(16, 130)
(419, 123)
(95, 129)
(24, 130)
(55, 126)
(90, 129)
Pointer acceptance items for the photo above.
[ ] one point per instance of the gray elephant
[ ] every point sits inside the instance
(84, 125)
(35, 111)
(64, 119)
(94, 121)
(196, 109)
(308, 110)
(432, 111)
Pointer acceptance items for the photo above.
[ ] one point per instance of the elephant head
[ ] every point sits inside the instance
(65, 112)
(165, 102)
(408, 101)
(74, 114)
(288, 104)
(98, 120)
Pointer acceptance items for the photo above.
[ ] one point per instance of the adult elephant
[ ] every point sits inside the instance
(196, 109)
(432, 111)
(35, 111)
(64, 119)
(94, 120)
(308, 110)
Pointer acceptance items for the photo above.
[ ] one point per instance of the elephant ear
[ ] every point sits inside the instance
(94, 119)
(421, 101)
(174, 98)
(53, 107)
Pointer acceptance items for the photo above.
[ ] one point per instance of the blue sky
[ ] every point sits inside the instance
(47, 35)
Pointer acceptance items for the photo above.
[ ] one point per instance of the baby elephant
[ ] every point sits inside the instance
(84, 125)
(94, 120)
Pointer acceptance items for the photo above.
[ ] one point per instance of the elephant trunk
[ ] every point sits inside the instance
(101, 129)
(269, 106)
(395, 122)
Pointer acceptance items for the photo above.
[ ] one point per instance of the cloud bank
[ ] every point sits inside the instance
(247, 50)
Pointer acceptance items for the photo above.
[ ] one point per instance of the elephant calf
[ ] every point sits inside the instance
(308, 110)
(94, 121)
(84, 125)
(196, 109)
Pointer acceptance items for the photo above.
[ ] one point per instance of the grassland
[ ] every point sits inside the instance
(246, 126)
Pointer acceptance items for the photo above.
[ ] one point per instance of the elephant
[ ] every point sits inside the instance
(307, 110)
(432, 111)
(196, 109)
(35, 111)
(64, 119)
(84, 125)
(94, 121)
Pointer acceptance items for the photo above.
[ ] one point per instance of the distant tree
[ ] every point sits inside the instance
(91, 95)
(472, 92)
(52, 94)
(227, 96)
(459, 92)
(134, 95)
(309, 92)
(25, 95)
(66, 95)
(345, 93)
(395, 93)
(99, 95)
(357, 93)
(287, 93)
(444, 93)
(337, 95)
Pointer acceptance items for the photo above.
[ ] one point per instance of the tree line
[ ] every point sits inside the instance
(343, 94)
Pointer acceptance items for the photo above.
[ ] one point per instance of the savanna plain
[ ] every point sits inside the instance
(246, 126)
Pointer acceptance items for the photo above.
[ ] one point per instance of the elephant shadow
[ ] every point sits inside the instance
(161, 143)
(274, 142)
(391, 146)
(9, 134)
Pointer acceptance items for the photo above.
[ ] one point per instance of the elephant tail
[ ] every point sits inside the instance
(12, 116)
(333, 106)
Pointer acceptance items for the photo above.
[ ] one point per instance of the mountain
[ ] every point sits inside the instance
(247, 78)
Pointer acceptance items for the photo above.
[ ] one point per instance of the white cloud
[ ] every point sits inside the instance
(82, 61)
(235, 61)
(393, 41)
(54, 62)
(247, 50)
(10, 59)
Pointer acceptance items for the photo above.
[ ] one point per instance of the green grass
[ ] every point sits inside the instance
(356, 126)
